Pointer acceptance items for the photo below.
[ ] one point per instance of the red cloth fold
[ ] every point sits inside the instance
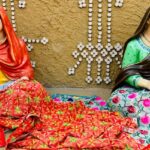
(2, 138)
(147, 147)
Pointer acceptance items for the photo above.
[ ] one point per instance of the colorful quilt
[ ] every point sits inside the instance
(38, 122)
(66, 125)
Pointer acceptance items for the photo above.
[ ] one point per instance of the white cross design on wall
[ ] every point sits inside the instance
(97, 53)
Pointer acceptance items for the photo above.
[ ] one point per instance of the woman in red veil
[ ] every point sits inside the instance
(17, 87)
(14, 59)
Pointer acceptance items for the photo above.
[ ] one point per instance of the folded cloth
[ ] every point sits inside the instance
(2, 138)
(147, 147)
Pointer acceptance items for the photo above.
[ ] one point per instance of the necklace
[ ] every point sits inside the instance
(146, 38)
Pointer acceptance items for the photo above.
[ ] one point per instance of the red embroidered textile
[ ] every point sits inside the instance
(147, 147)
(40, 123)
(2, 138)
(14, 59)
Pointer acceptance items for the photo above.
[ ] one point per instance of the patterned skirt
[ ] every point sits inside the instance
(134, 103)
(22, 98)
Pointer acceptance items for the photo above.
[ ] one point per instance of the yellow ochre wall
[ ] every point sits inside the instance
(65, 25)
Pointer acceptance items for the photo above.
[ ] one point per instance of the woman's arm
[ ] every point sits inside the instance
(131, 56)
(144, 83)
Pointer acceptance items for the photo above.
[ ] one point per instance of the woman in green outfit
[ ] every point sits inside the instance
(131, 94)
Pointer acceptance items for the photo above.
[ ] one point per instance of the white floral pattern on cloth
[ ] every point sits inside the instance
(133, 103)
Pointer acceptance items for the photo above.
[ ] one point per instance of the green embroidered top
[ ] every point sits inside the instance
(135, 52)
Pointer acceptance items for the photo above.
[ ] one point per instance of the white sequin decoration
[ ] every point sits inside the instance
(119, 3)
(99, 53)
(22, 4)
(33, 63)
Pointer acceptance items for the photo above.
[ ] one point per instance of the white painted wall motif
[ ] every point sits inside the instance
(98, 53)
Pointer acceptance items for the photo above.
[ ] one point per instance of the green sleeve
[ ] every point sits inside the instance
(131, 56)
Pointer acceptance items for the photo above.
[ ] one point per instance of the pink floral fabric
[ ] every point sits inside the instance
(134, 103)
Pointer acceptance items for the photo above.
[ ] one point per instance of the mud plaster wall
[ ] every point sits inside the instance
(65, 25)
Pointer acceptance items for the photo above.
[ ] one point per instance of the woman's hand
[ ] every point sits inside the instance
(144, 83)
(148, 84)
(24, 78)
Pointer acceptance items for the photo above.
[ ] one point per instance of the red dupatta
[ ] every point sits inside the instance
(17, 63)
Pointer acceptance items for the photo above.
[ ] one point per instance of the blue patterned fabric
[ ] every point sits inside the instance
(3, 86)
(94, 102)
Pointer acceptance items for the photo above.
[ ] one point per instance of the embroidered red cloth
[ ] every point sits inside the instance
(147, 147)
(2, 138)
(40, 123)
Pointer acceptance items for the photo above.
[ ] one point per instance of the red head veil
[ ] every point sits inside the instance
(17, 63)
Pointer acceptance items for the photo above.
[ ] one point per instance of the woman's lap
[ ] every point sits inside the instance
(18, 98)
(133, 103)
